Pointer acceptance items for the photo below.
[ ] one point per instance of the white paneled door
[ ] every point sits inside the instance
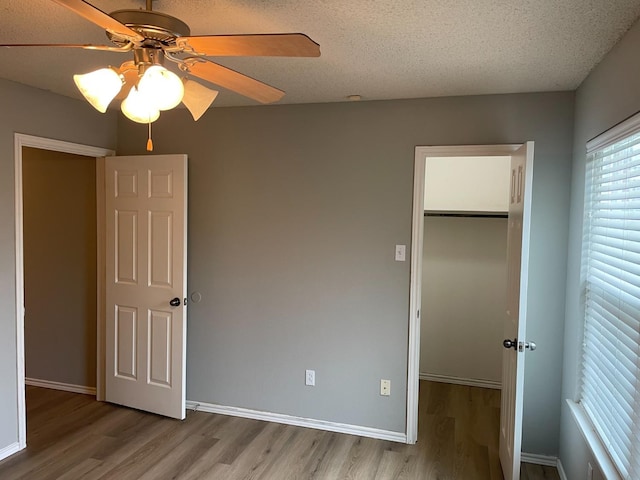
(515, 327)
(146, 282)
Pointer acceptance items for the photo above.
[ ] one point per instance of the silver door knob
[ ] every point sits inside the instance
(510, 343)
(530, 345)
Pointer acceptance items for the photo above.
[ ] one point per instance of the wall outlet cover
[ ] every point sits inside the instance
(385, 387)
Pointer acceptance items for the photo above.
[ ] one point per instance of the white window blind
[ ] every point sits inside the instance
(610, 391)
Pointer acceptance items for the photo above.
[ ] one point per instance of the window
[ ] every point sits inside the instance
(610, 390)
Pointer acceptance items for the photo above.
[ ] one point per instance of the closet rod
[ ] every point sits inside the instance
(466, 214)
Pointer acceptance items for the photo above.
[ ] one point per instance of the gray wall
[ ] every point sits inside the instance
(59, 191)
(610, 94)
(464, 288)
(294, 212)
(34, 112)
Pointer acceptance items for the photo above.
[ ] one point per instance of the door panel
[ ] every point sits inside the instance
(126, 342)
(161, 249)
(145, 268)
(159, 363)
(126, 247)
(515, 319)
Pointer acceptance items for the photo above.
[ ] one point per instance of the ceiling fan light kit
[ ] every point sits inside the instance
(99, 87)
(146, 87)
(197, 98)
(162, 87)
(154, 88)
(137, 108)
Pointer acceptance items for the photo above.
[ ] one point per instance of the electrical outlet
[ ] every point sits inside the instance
(310, 378)
(385, 387)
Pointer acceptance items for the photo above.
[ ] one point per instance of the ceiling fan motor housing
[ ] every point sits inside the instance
(156, 27)
(148, 56)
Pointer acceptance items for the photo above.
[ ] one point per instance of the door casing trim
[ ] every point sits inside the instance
(23, 140)
(417, 226)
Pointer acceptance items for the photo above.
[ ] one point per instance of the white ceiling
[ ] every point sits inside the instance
(374, 48)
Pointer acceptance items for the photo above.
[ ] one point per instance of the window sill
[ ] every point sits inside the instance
(608, 469)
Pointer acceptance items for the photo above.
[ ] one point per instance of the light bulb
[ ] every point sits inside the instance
(162, 87)
(99, 87)
(136, 107)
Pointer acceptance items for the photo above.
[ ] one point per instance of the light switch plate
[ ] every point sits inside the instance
(310, 378)
(401, 253)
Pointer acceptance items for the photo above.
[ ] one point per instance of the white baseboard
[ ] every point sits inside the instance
(67, 387)
(9, 450)
(469, 382)
(299, 421)
(546, 460)
(561, 472)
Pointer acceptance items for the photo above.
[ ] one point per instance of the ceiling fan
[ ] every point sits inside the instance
(154, 37)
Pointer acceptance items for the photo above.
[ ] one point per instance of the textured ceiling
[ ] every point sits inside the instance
(376, 49)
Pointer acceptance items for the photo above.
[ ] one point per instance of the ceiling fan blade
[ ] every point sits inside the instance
(267, 45)
(106, 48)
(232, 80)
(101, 19)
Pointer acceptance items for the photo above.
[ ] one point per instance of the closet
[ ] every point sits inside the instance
(464, 269)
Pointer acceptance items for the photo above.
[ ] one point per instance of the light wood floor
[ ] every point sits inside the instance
(71, 436)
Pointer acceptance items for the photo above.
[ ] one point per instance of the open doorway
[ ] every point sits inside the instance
(60, 260)
(464, 269)
(464, 290)
(164, 183)
(519, 228)
(24, 143)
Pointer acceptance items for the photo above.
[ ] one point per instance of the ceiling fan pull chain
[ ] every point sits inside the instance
(149, 141)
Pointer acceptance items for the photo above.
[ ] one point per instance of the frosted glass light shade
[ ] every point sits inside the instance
(99, 87)
(137, 108)
(162, 87)
(197, 98)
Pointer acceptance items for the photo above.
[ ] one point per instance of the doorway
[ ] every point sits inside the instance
(519, 226)
(21, 142)
(60, 258)
(417, 242)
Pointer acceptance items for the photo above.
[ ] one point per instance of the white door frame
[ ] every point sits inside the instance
(417, 226)
(22, 140)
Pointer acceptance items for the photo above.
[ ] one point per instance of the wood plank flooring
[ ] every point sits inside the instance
(71, 436)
